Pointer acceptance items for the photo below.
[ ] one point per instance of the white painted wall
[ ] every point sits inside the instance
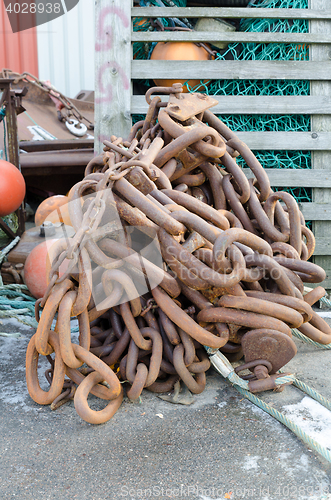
(66, 50)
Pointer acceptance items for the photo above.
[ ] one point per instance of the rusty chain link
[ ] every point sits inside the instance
(234, 259)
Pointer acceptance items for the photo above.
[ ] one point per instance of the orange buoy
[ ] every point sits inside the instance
(12, 188)
(35, 269)
(179, 51)
(53, 209)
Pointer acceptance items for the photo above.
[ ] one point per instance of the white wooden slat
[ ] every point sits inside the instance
(323, 246)
(316, 211)
(237, 70)
(287, 140)
(326, 283)
(321, 159)
(229, 37)
(280, 177)
(231, 13)
(255, 104)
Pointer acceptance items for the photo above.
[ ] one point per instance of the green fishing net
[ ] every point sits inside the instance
(277, 123)
(260, 51)
(142, 50)
(281, 159)
(255, 87)
(267, 123)
(12, 222)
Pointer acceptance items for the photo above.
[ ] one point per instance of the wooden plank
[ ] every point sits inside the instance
(113, 55)
(231, 13)
(252, 105)
(326, 283)
(281, 177)
(322, 159)
(63, 162)
(323, 246)
(287, 140)
(236, 70)
(56, 145)
(316, 212)
(229, 37)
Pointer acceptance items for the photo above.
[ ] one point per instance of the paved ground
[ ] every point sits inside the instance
(220, 447)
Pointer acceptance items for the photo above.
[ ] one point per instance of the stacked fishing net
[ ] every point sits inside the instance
(175, 249)
(260, 51)
(143, 50)
(272, 51)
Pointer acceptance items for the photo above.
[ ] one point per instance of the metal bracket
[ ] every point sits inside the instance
(188, 105)
(79, 131)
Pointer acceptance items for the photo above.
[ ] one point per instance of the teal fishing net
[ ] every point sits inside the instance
(269, 123)
(142, 50)
(260, 51)
(255, 87)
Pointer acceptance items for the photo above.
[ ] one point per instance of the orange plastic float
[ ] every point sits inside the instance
(12, 188)
(179, 51)
(35, 268)
(53, 209)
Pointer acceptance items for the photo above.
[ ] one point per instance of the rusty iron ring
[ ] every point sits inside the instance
(32, 355)
(81, 404)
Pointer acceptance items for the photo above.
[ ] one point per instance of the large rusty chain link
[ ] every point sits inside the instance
(234, 257)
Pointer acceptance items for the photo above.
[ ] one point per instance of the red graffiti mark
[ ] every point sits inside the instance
(106, 31)
(106, 93)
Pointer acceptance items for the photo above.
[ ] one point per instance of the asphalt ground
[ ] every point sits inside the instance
(220, 447)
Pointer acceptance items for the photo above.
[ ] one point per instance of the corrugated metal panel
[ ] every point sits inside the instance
(66, 50)
(18, 51)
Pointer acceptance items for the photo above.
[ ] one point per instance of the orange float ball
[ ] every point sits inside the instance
(35, 269)
(53, 209)
(12, 188)
(179, 51)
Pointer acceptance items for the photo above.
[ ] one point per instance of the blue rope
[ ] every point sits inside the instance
(2, 118)
(307, 340)
(15, 303)
(310, 391)
(289, 423)
(224, 367)
(34, 121)
(326, 301)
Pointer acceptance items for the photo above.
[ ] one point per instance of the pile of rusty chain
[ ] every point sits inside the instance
(235, 256)
(12, 273)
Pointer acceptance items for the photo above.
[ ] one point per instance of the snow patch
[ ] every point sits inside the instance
(313, 418)
(324, 314)
(209, 498)
(13, 390)
(12, 347)
(251, 462)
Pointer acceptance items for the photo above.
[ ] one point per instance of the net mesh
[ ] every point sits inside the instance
(143, 50)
